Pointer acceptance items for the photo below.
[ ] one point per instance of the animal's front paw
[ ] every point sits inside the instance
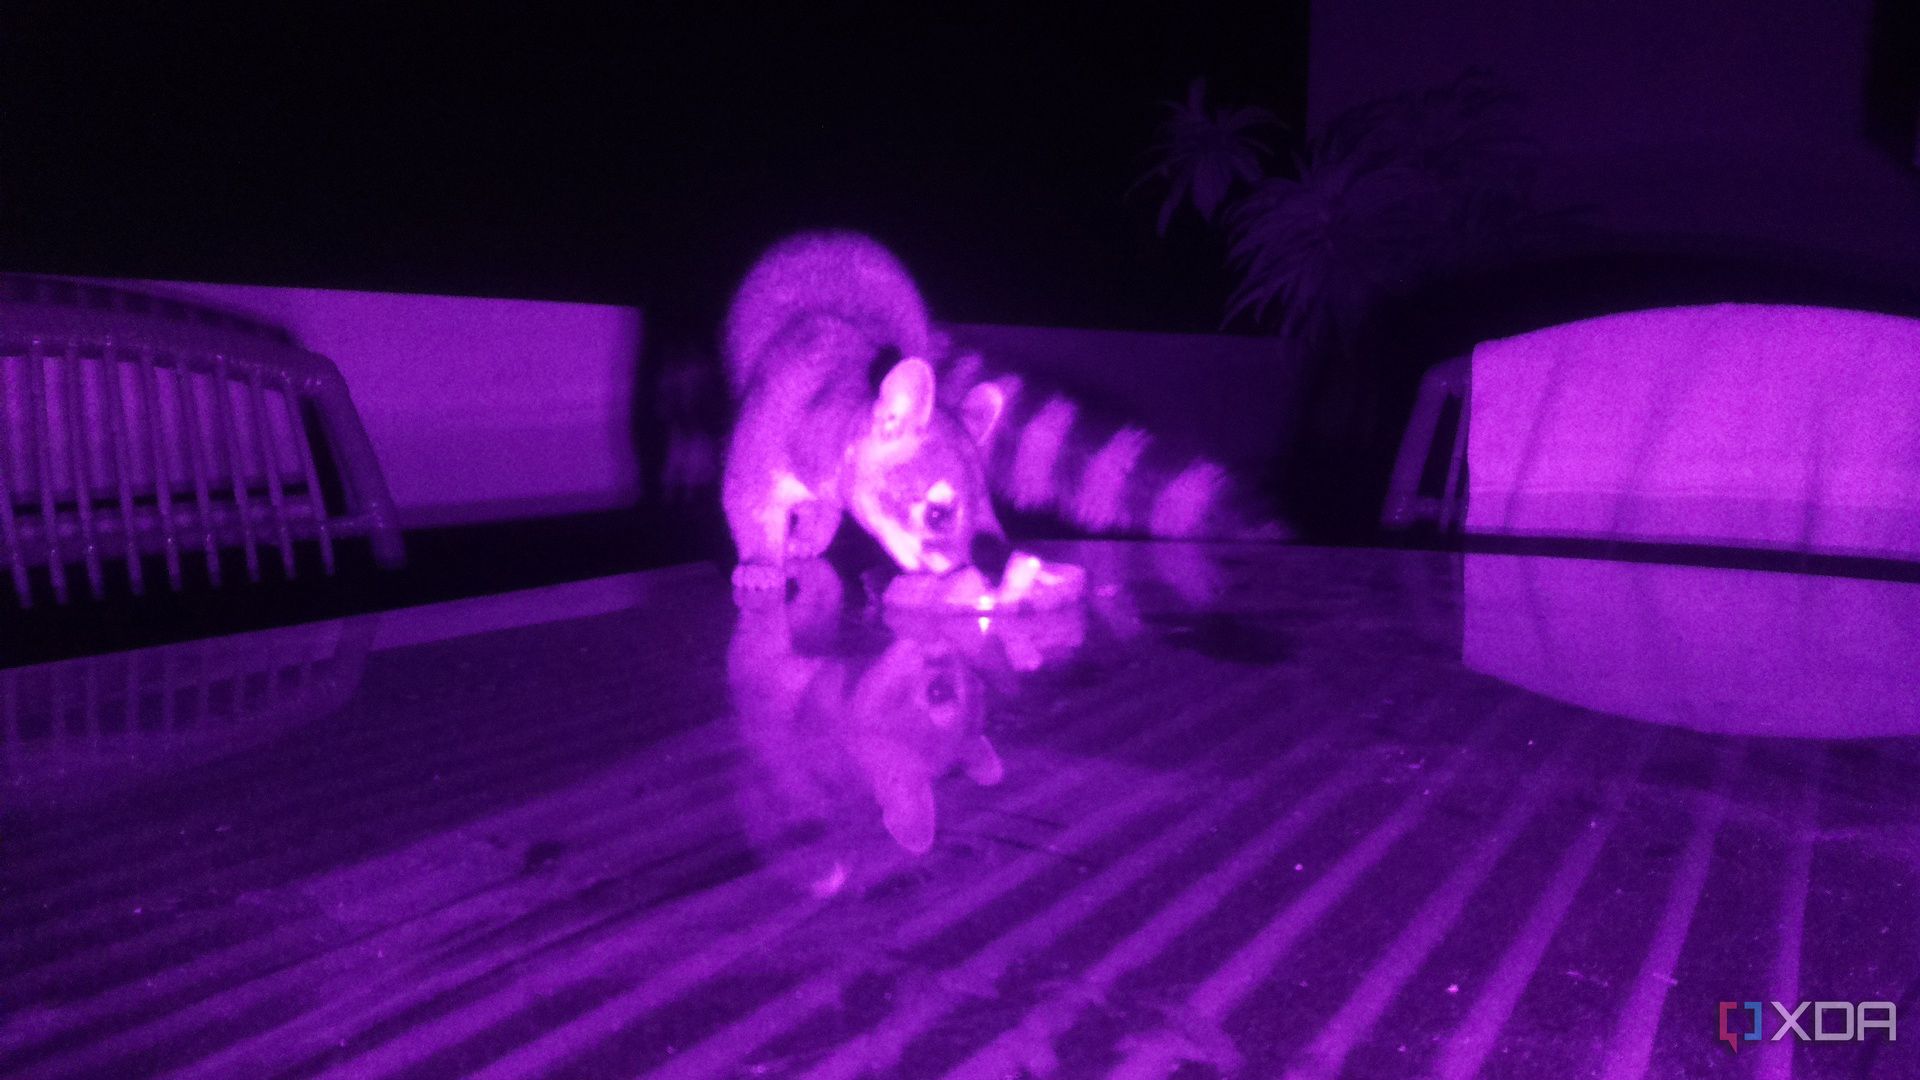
(759, 579)
(814, 523)
(818, 588)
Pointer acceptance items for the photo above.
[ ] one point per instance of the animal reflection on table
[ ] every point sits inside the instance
(851, 723)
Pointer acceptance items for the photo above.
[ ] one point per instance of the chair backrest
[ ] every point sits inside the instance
(1746, 426)
(1428, 484)
(98, 296)
(1731, 426)
(172, 436)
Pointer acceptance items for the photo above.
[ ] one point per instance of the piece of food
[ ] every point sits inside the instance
(1030, 582)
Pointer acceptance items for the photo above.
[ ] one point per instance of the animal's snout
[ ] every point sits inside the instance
(989, 552)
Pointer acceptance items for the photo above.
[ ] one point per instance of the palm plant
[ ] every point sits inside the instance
(1392, 196)
(1202, 152)
(1392, 193)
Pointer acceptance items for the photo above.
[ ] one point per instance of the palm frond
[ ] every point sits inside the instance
(1201, 152)
(1392, 191)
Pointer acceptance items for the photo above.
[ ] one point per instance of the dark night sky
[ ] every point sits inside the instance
(624, 158)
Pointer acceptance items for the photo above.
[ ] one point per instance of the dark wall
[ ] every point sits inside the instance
(610, 156)
(1774, 127)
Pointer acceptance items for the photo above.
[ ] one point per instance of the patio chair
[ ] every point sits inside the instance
(1428, 482)
(136, 429)
(1763, 427)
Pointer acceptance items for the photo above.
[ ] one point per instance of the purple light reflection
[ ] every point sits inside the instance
(1739, 652)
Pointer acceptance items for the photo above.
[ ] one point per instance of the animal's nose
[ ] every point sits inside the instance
(989, 552)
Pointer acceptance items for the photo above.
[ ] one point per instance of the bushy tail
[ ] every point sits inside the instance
(843, 276)
(1052, 455)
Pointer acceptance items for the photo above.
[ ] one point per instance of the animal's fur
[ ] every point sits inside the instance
(812, 439)
(1052, 454)
(916, 461)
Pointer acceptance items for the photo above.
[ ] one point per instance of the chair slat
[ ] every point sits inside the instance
(270, 459)
(40, 433)
(80, 466)
(314, 497)
(199, 465)
(119, 435)
(162, 475)
(223, 414)
(9, 528)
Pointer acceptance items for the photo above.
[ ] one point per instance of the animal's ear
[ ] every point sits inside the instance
(905, 404)
(981, 762)
(981, 410)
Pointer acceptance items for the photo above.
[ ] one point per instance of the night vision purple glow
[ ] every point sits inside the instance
(1295, 541)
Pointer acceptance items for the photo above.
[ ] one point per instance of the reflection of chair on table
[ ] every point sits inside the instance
(1741, 652)
(137, 713)
(1788, 429)
(141, 429)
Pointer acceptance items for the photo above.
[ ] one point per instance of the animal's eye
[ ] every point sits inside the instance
(937, 516)
(940, 691)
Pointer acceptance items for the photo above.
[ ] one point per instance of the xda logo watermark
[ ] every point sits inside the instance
(1829, 1021)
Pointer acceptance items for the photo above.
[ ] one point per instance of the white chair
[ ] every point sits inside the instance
(133, 427)
(1730, 426)
(1427, 482)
